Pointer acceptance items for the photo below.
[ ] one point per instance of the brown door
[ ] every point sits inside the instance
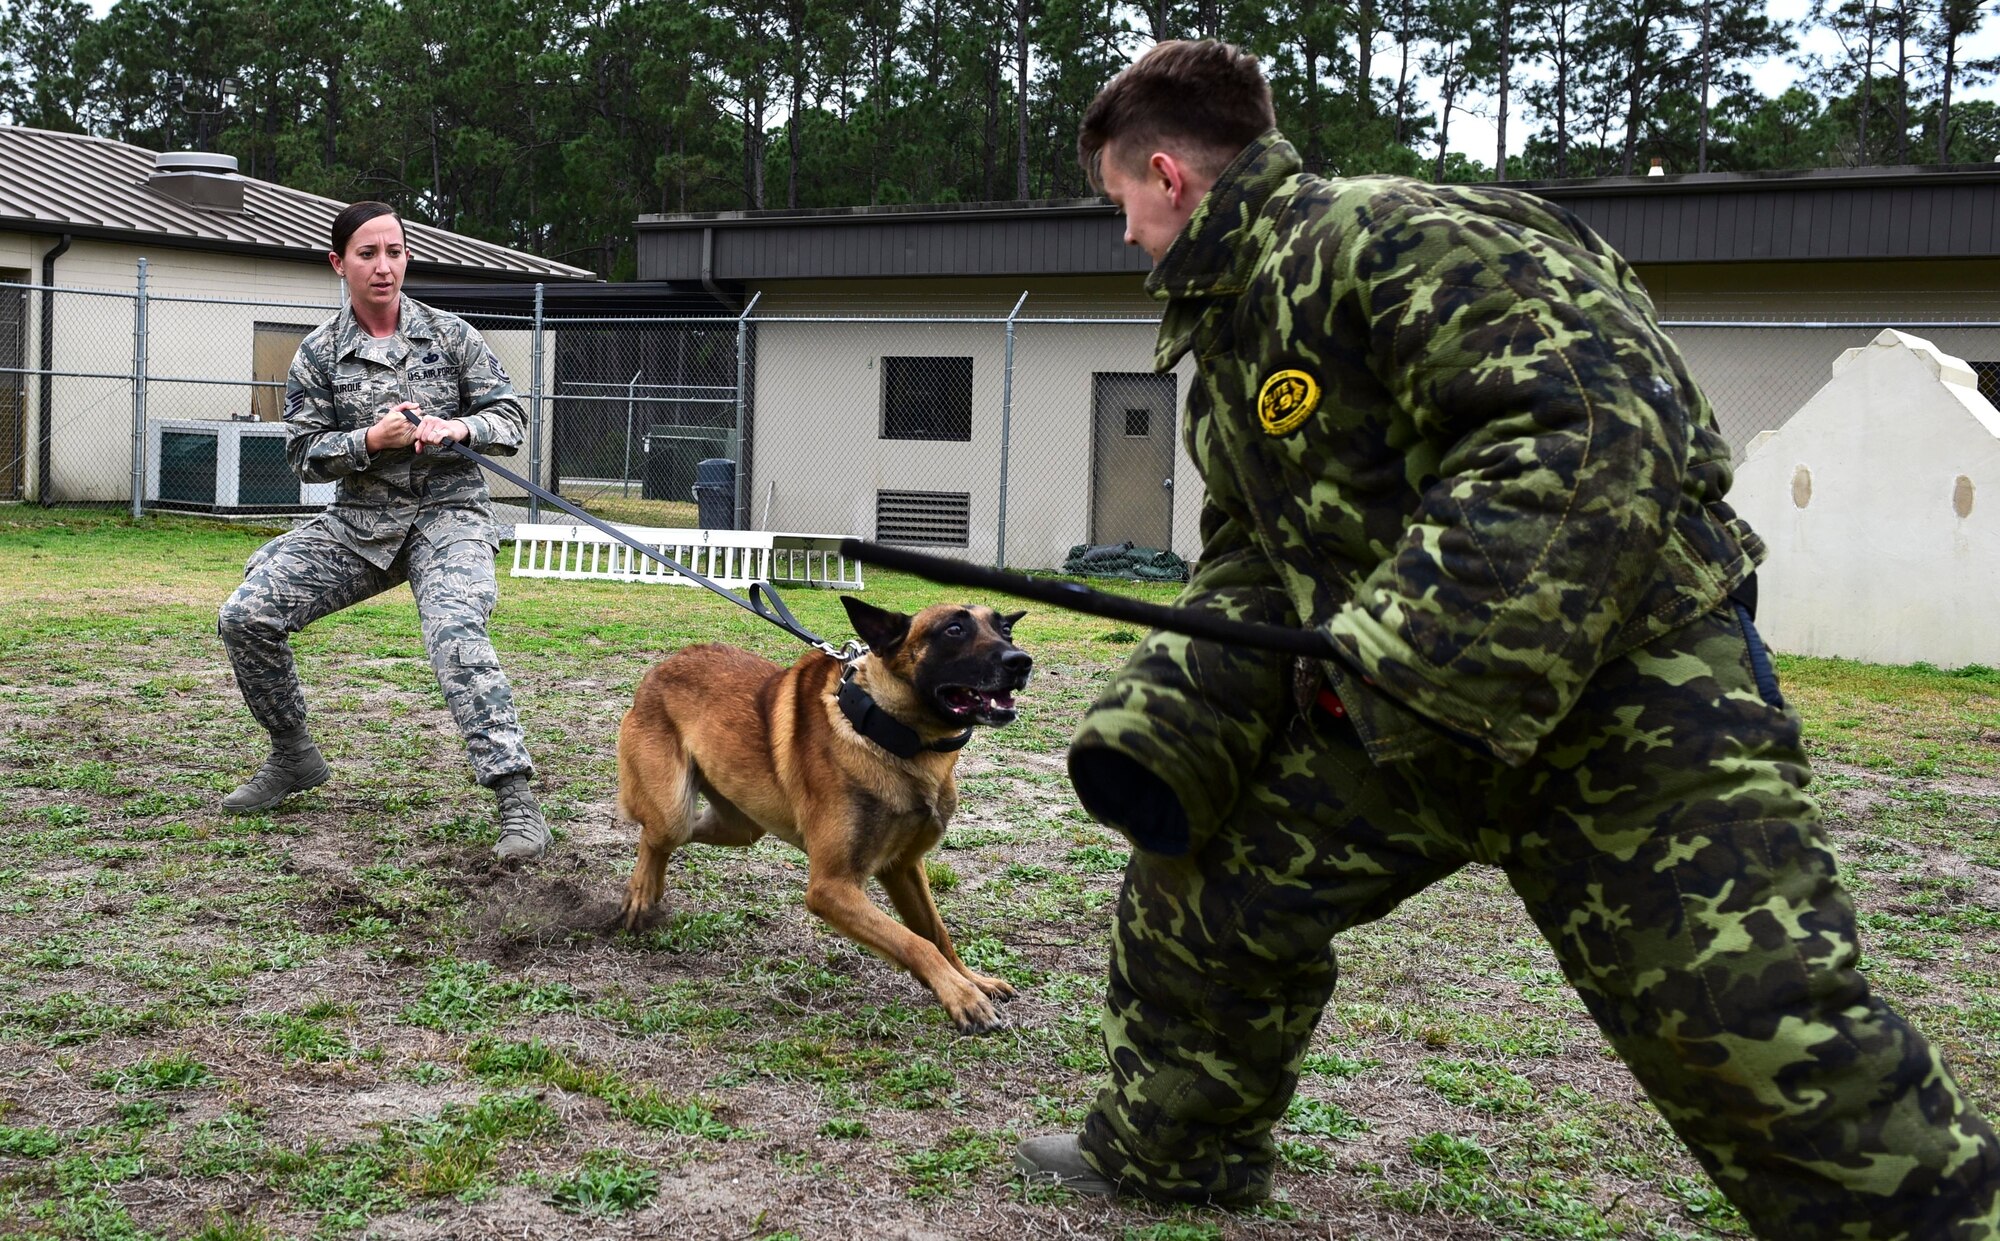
(13, 385)
(275, 344)
(1132, 459)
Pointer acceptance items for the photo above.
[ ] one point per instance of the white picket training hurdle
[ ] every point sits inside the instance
(732, 558)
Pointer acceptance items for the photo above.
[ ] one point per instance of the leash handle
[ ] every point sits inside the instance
(1193, 622)
(775, 611)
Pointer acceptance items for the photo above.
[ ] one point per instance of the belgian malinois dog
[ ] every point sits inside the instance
(850, 763)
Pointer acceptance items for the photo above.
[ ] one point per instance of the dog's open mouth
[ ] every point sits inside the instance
(978, 706)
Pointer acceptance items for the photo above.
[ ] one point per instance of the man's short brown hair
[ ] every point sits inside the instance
(1203, 99)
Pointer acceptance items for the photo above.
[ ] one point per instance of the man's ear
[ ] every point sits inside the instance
(880, 628)
(1179, 177)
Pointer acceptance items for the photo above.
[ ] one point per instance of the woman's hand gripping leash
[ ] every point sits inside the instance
(424, 430)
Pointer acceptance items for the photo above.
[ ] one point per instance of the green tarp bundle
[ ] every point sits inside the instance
(1124, 560)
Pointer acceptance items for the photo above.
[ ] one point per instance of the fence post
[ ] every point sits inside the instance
(139, 329)
(535, 413)
(742, 380)
(1006, 429)
(631, 392)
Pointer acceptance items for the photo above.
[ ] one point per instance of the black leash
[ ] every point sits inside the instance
(1193, 622)
(763, 600)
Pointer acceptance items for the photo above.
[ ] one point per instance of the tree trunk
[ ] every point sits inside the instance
(1021, 103)
(792, 136)
(1903, 82)
(1634, 86)
(439, 214)
(753, 150)
(989, 138)
(1447, 91)
(1364, 57)
(333, 70)
(1867, 84)
(1701, 145)
(1506, 32)
(1562, 115)
(1944, 100)
(1403, 91)
(1314, 152)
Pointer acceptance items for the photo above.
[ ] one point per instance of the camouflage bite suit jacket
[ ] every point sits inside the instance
(343, 379)
(1441, 425)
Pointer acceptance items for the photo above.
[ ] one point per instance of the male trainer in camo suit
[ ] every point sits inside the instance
(1442, 426)
(406, 509)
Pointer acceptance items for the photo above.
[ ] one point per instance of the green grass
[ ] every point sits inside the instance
(1915, 721)
(180, 980)
(178, 1072)
(954, 1163)
(608, 1183)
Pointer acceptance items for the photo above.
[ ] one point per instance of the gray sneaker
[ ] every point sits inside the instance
(523, 835)
(287, 771)
(1057, 1159)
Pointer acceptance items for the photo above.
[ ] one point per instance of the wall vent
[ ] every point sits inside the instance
(198, 179)
(940, 518)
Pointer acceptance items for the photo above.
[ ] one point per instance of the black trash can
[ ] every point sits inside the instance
(656, 475)
(715, 493)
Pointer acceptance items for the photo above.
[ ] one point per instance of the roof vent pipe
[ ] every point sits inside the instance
(198, 179)
(1656, 170)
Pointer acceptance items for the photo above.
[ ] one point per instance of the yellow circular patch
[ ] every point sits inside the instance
(1287, 399)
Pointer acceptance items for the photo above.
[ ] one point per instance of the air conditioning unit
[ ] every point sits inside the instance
(214, 466)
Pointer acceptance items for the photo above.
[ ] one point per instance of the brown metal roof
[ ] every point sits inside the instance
(94, 187)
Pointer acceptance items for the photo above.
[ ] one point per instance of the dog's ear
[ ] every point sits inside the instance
(880, 628)
(1008, 620)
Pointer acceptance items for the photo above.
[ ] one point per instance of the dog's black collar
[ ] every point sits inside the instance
(885, 730)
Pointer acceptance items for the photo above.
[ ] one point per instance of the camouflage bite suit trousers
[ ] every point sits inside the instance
(299, 577)
(1663, 843)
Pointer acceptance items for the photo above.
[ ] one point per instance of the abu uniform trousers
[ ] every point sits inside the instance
(1664, 844)
(299, 577)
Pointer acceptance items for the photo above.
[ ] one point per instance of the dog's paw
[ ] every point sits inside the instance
(973, 1015)
(995, 988)
(630, 918)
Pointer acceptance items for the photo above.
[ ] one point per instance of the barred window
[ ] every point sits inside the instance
(927, 398)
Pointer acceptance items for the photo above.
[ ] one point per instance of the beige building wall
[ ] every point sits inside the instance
(187, 340)
(819, 455)
(92, 416)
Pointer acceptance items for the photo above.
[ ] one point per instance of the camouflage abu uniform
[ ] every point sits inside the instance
(1442, 426)
(397, 515)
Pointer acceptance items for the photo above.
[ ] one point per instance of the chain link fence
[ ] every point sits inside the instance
(1008, 438)
(636, 404)
(1758, 373)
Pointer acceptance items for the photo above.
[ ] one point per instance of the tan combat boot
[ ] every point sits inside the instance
(1057, 1159)
(294, 766)
(523, 835)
